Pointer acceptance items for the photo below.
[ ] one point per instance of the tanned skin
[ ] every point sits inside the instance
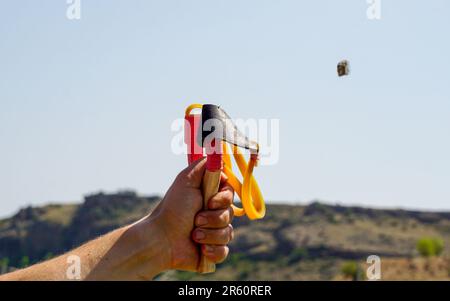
(168, 238)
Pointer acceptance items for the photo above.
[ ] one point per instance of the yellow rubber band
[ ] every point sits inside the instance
(248, 191)
(192, 107)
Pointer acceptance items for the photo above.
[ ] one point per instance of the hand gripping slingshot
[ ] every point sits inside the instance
(210, 132)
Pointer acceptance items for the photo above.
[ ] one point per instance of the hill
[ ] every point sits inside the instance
(293, 242)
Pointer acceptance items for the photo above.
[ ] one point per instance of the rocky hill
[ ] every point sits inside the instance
(293, 242)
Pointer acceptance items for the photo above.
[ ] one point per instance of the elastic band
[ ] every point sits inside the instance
(248, 191)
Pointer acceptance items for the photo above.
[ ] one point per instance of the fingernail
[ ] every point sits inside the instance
(198, 235)
(201, 220)
(209, 249)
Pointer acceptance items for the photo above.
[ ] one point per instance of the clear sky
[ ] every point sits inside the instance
(86, 105)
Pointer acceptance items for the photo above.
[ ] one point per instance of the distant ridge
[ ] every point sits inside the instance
(298, 241)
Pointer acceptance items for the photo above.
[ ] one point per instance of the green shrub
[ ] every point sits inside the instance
(430, 246)
(4, 264)
(297, 255)
(24, 262)
(351, 270)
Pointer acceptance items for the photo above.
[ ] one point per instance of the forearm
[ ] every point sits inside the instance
(134, 252)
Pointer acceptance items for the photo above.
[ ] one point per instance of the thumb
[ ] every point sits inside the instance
(193, 174)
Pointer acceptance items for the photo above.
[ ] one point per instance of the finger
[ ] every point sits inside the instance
(214, 219)
(216, 254)
(223, 199)
(193, 174)
(213, 236)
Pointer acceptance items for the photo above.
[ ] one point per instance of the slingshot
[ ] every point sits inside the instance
(210, 132)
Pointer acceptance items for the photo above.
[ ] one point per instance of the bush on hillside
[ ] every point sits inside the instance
(430, 246)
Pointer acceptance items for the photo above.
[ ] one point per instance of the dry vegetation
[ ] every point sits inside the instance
(310, 242)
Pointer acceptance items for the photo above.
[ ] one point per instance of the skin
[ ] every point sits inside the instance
(172, 237)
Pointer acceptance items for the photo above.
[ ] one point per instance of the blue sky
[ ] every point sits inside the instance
(87, 105)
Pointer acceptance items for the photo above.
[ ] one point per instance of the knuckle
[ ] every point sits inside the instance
(225, 198)
(179, 178)
(218, 218)
(230, 214)
(189, 178)
(183, 178)
(218, 236)
(225, 217)
(183, 174)
(231, 232)
(226, 234)
(222, 254)
(216, 253)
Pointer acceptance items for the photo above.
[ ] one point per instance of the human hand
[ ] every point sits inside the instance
(165, 239)
(185, 224)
